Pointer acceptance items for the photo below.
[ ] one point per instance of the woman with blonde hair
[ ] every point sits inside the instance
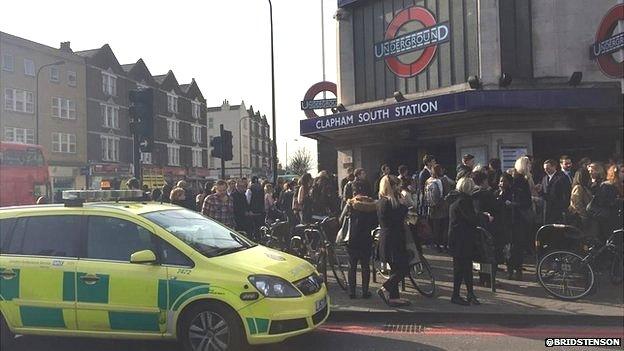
(391, 213)
(521, 216)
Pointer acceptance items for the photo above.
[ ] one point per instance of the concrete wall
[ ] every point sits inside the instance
(563, 31)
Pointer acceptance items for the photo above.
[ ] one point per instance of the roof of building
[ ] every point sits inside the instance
(128, 66)
(160, 78)
(87, 53)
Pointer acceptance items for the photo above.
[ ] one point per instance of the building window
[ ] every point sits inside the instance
(197, 133)
(172, 103)
(210, 123)
(173, 155)
(8, 63)
(19, 100)
(64, 143)
(197, 157)
(19, 135)
(72, 78)
(146, 158)
(63, 108)
(54, 75)
(109, 84)
(173, 128)
(29, 67)
(110, 148)
(196, 109)
(110, 116)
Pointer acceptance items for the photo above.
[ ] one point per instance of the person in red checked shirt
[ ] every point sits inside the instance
(219, 206)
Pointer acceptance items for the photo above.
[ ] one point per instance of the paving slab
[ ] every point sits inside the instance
(516, 300)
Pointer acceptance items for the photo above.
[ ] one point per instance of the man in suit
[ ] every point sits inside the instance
(555, 190)
(565, 162)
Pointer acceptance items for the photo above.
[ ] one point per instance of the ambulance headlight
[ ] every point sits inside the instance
(271, 286)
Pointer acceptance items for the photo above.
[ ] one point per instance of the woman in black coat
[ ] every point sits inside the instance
(392, 245)
(521, 213)
(362, 212)
(463, 223)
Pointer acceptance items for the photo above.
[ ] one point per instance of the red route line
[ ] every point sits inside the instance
(576, 331)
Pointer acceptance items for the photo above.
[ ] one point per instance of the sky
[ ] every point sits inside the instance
(224, 45)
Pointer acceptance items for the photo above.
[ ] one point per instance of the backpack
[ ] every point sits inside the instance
(433, 196)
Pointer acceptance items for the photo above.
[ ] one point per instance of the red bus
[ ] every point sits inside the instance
(24, 174)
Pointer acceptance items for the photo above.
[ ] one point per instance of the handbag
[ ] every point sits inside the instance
(345, 231)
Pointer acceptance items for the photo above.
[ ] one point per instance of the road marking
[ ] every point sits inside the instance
(539, 331)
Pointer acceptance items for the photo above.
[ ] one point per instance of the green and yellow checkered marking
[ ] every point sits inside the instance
(257, 325)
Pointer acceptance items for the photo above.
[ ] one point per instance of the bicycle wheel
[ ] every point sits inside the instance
(565, 275)
(617, 269)
(422, 278)
(339, 265)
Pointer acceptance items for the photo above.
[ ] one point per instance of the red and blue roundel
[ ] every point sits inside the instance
(425, 39)
(606, 43)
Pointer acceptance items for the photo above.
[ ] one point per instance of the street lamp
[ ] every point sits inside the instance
(57, 63)
(274, 151)
(240, 145)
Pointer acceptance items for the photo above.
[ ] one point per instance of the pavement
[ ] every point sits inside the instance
(513, 302)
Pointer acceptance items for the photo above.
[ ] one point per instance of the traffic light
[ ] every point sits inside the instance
(227, 145)
(142, 117)
(217, 147)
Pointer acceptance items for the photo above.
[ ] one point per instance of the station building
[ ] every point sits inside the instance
(493, 78)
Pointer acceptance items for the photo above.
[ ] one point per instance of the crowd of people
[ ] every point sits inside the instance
(426, 208)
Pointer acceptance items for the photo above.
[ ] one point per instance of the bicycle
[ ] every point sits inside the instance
(275, 235)
(311, 243)
(569, 276)
(420, 273)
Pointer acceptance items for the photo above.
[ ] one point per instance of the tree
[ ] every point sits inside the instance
(301, 162)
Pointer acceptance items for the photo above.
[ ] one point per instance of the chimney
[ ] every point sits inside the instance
(66, 46)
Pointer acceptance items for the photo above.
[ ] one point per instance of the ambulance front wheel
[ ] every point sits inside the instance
(211, 327)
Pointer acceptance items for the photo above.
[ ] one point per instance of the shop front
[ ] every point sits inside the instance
(66, 178)
(109, 175)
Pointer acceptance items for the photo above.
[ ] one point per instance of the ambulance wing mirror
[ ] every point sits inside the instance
(144, 256)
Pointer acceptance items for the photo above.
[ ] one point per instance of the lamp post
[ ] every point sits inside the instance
(57, 63)
(274, 151)
(240, 145)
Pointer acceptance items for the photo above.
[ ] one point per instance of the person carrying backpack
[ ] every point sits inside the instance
(437, 207)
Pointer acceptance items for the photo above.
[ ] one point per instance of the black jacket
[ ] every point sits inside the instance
(392, 245)
(256, 205)
(240, 207)
(463, 223)
(362, 211)
(556, 194)
(485, 201)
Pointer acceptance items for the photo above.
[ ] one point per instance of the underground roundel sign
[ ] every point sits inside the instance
(397, 43)
(607, 43)
(309, 104)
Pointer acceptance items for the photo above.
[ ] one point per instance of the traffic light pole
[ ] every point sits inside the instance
(137, 158)
(221, 129)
